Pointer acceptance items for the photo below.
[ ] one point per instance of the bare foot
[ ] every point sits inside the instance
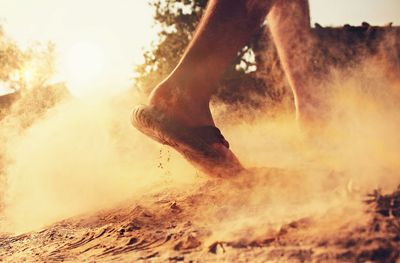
(181, 105)
(175, 119)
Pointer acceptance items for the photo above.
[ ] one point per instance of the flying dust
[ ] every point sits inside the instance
(82, 157)
(78, 158)
(324, 173)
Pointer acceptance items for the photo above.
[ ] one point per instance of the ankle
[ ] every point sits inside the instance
(176, 101)
(170, 93)
(162, 95)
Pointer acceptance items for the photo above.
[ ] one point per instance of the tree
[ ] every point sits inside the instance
(12, 60)
(177, 20)
(243, 82)
(27, 74)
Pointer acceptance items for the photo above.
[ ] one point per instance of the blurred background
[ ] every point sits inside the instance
(96, 46)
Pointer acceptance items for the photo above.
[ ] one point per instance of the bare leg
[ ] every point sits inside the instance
(183, 97)
(289, 22)
(225, 28)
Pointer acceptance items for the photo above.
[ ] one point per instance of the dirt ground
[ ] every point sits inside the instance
(170, 226)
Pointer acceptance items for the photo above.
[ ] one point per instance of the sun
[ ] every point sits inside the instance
(84, 66)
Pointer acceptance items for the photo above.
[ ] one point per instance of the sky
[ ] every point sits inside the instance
(99, 42)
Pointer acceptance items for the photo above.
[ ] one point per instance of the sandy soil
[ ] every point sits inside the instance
(173, 226)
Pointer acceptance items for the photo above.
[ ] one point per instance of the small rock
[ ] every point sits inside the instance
(156, 254)
(177, 258)
(146, 214)
(190, 243)
(132, 241)
(132, 227)
(216, 248)
(175, 207)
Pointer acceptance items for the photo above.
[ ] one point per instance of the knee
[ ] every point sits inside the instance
(250, 6)
(258, 6)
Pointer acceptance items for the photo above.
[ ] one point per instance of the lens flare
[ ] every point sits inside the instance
(84, 65)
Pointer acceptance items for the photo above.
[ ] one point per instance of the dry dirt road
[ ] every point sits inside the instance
(175, 227)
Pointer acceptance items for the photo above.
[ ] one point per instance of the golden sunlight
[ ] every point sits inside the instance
(96, 52)
(311, 172)
(28, 75)
(84, 64)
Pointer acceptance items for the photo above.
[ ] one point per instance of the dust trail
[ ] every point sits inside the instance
(78, 158)
(85, 156)
(354, 150)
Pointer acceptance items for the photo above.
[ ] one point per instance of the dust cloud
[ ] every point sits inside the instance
(83, 157)
(324, 173)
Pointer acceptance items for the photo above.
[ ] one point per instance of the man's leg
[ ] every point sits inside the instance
(289, 23)
(226, 27)
(179, 106)
(179, 113)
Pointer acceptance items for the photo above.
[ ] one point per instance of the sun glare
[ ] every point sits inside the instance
(84, 65)
(28, 76)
